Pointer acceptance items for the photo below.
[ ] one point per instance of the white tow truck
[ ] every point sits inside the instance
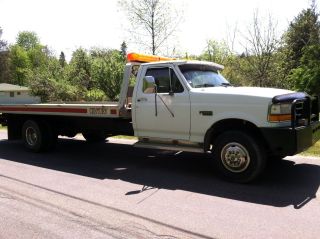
(181, 105)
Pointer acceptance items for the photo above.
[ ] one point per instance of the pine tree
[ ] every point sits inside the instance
(62, 59)
(302, 51)
(303, 31)
(124, 49)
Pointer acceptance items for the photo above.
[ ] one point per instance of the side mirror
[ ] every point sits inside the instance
(150, 80)
(149, 84)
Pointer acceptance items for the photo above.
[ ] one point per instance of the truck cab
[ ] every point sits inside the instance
(189, 106)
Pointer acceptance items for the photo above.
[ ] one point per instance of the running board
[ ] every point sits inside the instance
(169, 147)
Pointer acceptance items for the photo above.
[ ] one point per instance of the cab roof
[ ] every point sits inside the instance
(183, 62)
(144, 59)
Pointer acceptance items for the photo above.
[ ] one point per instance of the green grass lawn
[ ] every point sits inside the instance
(124, 137)
(313, 151)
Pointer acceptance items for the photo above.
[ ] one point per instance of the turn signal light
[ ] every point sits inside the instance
(279, 118)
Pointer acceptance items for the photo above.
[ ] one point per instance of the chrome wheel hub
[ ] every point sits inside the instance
(235, 157)
(31, 136)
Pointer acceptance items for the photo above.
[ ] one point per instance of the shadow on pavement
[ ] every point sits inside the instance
(284, 183)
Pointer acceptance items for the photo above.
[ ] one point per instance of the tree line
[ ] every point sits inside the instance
(291, 61)
(93, 75)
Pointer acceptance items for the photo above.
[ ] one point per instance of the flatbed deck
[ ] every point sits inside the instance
(108, 109)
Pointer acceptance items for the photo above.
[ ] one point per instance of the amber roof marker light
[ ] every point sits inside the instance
(136, 57)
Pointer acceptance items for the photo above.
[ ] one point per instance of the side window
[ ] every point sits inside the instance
(163, 77)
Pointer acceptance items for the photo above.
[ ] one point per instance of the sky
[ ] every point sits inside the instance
(65, 25)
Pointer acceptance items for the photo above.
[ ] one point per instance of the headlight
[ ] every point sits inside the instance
(279, 113)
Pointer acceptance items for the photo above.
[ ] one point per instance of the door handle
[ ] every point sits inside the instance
(142, 99)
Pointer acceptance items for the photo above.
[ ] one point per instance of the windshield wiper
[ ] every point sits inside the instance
(204, 85)
(225, 84)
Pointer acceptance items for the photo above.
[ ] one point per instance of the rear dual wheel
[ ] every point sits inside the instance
(38, 136)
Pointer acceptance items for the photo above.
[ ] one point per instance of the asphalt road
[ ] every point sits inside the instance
(113, 190)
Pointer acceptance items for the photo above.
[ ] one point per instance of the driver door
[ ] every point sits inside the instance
(164, 111)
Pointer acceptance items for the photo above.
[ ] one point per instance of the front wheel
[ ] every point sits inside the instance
(238, 156)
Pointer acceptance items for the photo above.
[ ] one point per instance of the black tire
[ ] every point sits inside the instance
(238, 156)
(38, 137)
(95, 136)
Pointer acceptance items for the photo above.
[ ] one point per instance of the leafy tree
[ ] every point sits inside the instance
(95, 95)
(277, 73)
(4, 60)
(5, 74)
(33, 64)
(261, 44)
(80, 70)
(153, 22)
(90, 76)
(3, 43)
(306, 76)
(220, 53)
(42, 85)
(216, 52)
(27, 40)
(107, 71)
(19, 64)
(38, 56)
(27, 55)
(67, 92)
(50, 83)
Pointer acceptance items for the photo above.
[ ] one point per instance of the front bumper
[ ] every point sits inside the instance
(290, 141)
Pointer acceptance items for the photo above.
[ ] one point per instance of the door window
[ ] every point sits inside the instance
(165, 79)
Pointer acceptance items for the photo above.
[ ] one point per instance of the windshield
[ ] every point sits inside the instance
(202, 76)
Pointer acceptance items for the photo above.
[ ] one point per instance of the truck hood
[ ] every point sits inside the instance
(259, 92)
(247, 103)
